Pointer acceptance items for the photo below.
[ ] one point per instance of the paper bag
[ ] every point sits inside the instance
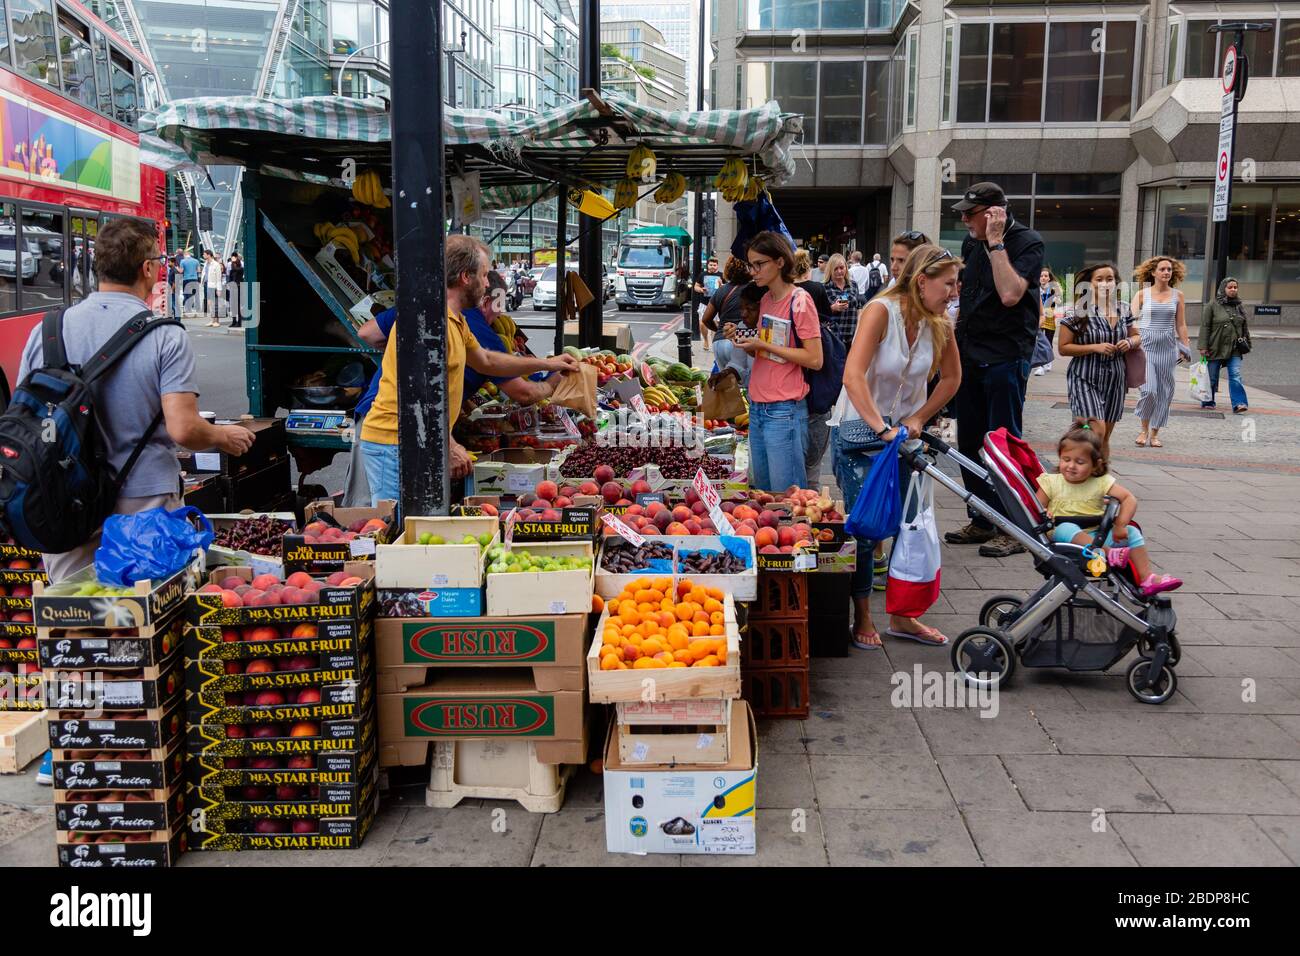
(577, 390)
(721, 401)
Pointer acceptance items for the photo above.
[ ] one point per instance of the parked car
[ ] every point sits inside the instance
(609, 282)
(530, 278)
(544, 291)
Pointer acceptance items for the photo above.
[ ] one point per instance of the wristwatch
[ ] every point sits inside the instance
(999, 247)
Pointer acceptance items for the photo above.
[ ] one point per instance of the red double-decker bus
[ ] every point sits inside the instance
(71, 90)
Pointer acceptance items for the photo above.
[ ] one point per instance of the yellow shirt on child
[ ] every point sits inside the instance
(1065, 500)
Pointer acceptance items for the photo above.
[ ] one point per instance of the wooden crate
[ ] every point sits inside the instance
(494, 770)
(672, 744)
(23, 738)
(677, 683)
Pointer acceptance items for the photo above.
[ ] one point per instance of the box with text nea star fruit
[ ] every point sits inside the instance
(686, 808)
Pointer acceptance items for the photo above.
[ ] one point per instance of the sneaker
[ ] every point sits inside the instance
(879, 572)
(45, 773)
(971, 534)
(1048, 366)
(1001, 546)
(1041, 370)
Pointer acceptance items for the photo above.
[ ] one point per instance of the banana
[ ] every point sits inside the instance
(641, 164)
(753, 188)
(625, 195)
(367, 188)
(674, 185)
(345, 238)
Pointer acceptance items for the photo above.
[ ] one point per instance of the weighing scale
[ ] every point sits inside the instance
(312, 421)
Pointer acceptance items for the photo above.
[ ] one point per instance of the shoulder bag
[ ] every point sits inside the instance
(856, 435)
(1135, 361)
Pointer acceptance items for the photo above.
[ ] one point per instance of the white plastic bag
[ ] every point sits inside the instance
(913, 584)
(1199, 383)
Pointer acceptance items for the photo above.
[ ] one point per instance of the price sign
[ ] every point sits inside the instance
(622, 530)
(570, 429)
(713, 501)
(362, 546)
(511, 517)
(638, 406)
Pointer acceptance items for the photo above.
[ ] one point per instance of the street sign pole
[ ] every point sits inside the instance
(423, 429)
(591, 319)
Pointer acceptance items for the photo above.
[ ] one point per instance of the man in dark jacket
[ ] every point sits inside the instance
(996, 328)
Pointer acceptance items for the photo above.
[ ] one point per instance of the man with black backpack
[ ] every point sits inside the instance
(81, 438)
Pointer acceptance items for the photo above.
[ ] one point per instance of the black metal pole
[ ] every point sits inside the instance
(530, 234)
(698, 243)
(423, 428)
(561, 285)
(591, 319)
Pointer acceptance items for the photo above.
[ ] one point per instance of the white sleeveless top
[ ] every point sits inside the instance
(897, 376)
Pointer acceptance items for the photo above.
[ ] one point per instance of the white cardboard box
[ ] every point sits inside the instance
(684, 809)
(742, 586)
(405, 564)
(543, 592)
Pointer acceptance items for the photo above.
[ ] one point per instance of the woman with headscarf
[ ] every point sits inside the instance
(1224, 339)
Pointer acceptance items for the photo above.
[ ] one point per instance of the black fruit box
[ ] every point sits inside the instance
(63, 649)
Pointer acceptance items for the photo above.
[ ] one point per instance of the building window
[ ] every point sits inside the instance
(843, 14)
(1073, 72)
(794, 86)
(973, 73)
(1171, 64)
(1288, 50)
(740, 102)
(8, 250)
(947, 73)
(758, 83)
(1016, 74)
(1284, 274)
(35, 51)
(1182, 230)
(840, 118)
(40, 264)
(78, 62)
(877, 105)
(1249, 222)
(1200, 59)
(1117, 71)
(911, 80)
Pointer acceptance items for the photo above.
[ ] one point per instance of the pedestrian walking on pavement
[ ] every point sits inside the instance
(212, 272)
(819, 435)
(778, 412)
(1049, 299)
(902, 340)
(1163, 325)
(996, 330)
(1096, 333)
(1224, 339)
(843, 296)
(235, 290)
(858, 274)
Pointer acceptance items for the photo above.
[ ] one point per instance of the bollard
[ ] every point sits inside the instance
(684, 347)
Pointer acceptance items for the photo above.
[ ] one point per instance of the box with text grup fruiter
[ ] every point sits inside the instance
(684, 809)
(350, 598)
(122, 851)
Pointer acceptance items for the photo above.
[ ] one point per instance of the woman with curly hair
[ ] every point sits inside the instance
(724, 305)
(1163, 329)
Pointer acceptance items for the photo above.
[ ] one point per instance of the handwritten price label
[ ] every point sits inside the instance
(638, 406)
(622, 530)
(509, 536)
(709, 495)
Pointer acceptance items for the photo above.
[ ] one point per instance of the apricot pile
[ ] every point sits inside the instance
(651, 626)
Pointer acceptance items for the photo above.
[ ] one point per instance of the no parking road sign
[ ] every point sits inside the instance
(1227, 126)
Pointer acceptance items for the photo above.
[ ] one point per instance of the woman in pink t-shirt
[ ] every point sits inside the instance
(778, 415)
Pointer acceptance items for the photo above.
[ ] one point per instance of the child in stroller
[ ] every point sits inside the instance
(1075, 497)
(1087, 615)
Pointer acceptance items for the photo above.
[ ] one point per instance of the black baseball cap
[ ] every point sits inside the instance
(823, 258)
(981, 194)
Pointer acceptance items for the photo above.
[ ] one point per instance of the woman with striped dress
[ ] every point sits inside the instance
(1096, 333)
(1164, 339)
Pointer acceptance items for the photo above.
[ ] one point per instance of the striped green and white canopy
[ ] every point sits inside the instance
(584, 142)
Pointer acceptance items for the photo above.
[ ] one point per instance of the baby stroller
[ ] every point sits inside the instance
(1086, 616)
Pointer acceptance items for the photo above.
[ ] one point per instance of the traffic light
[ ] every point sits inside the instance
(205, 219)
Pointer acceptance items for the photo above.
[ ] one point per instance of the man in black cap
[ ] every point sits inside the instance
(996, 328)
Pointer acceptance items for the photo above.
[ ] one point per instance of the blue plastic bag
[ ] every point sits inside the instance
(149, 545)
(878, 511)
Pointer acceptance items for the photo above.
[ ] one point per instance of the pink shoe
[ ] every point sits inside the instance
(1117, 557)
(1155, 585)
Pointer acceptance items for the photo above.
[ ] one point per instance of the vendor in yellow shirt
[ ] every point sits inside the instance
(467, 261)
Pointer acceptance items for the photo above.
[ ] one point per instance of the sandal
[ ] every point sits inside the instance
(926, 635)
(1157, 443)
(862, 646)
(1141, 440)
(1154, 584)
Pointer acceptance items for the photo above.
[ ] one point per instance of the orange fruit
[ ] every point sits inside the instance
(678, 641)
(683, 655)
(717, 629)
(717, 617)
(715, 593)
(683, 588)
(713, 605)
(709, 661)
(701, 649)
(597, 604)
(678, 664)
(662, 585)
(684, 612)
(721, 654)
(702, 617)
(655, 595)
(665, 656)
(667, 619)
(609, 662)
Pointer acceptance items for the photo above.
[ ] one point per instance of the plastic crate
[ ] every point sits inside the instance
(777, 692)
(830, 616)
(781, 594)
(775, 644)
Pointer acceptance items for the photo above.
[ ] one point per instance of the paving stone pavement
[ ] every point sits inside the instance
(1071, 771)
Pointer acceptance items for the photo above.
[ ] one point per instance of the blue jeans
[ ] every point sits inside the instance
(381, 471)
(778, 444)
(990, 397)
(1236, 390)
(851, 468)
(726, 355)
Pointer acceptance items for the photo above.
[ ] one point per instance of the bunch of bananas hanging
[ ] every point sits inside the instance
(368, 189)
(671, 189)
(732, 180)
(625, 194)
(753, 188)
(327, 232)
(641, 164)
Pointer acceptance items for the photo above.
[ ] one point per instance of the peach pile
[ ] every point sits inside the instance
(266, 590)
(318, 532)
(650, 626)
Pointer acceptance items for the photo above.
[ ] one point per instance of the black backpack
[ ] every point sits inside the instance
(56, 483)
(824, 384)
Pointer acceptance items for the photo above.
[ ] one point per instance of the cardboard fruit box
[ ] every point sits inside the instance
(543, 592)
(219, 556)
(133, 851)
(143, 688)
(283, 801)
(148, 603)
(577, 522)
(470, 704)
(553, 647)
(687, 808)
(333, 602)
(671, 683)
(265, 833)
(661, 712)
(512, 471)
(12, 653)
(102, 811)
(74, 648)
(339, 694)
(446, 567)
(23, 692)
(328, 767)
(315, 735)
(374, 527)
(331, 639)
(141, 770)
(10, 577)
(157, 728)
(742, 586)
